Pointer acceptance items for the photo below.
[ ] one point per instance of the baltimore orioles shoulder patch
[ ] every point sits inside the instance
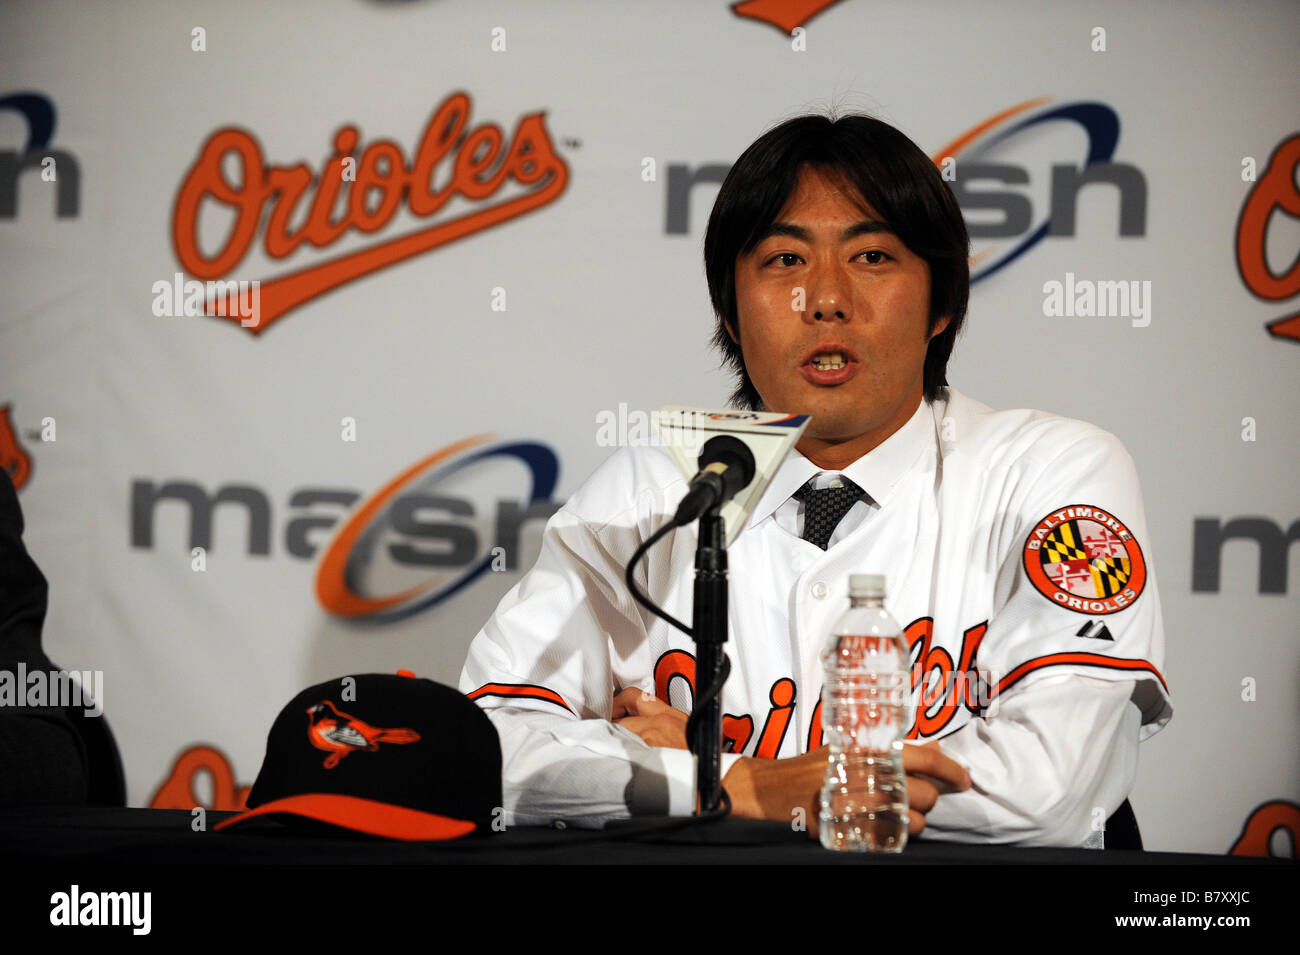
(1084, 558)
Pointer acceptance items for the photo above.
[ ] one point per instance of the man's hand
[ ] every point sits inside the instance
(775, 788)
(651, 718)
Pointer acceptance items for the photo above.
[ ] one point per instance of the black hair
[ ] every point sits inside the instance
(889, 172)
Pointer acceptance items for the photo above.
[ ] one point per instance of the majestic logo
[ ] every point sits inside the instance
(1095, 631)
(340, 733)
(270, 199)
(16, 462)
(1276, 191)
(1085, 559)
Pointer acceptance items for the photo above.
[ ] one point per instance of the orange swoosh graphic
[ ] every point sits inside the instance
(785, 15)
(1288, 327)
(966, 138)
(281, 295)
(331, 584)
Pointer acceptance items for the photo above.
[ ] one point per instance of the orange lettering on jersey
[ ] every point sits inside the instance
(944, 689)
(935, 708)
(781, 696)
(815, 728)
(736, 731)
(970, 643)
(675, 664)
(918, 634)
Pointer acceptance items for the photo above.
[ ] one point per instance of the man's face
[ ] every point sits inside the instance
(852, 353)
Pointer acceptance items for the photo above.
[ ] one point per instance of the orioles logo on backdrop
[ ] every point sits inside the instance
(1084, 558)
(177, 790)
(475, 165)
(1263, 822)
(785, 15)
(1276, 191)
(16, 462)
(340, 734)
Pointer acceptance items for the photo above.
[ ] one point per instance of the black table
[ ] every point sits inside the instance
(759, 871)
(116, 835)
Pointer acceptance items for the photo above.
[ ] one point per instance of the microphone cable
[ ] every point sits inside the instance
(723, 808)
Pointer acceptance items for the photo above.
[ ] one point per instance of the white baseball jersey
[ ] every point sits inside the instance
(1014, 549)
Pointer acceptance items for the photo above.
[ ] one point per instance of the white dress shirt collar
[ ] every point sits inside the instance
(877, 472)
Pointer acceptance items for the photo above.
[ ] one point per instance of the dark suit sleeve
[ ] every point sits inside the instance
(42, 758)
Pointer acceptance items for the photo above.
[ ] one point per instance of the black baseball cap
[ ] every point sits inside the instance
(392, 756)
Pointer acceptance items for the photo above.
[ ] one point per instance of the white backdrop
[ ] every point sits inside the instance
(528, 329)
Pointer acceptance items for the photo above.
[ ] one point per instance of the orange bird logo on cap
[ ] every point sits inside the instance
(340, 734)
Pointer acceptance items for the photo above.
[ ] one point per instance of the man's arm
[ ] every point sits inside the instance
(547, 666)
(585, 772)
(42, 757)
(777, 788)
(1074, 672)
(1048, 769)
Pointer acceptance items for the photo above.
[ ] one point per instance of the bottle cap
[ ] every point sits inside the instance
(866, 585)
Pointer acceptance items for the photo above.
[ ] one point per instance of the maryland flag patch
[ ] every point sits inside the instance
(1084, 558)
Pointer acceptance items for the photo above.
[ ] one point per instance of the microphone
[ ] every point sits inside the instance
(762, 438)
(726, 467)
(738, 453)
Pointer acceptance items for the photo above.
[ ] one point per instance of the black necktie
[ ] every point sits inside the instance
(823, 510)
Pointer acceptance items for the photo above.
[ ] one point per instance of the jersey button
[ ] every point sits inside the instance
(820, 590)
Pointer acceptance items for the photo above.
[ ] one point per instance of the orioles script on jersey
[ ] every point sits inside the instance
(944, 690)
(379, 180)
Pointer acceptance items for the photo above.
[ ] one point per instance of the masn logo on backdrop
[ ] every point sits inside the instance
(356, 192)
(425, 535)
(57, 167)
(1211, 535)
(1019, 177)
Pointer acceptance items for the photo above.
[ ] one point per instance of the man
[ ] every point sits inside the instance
(836, 260)
(42, 756)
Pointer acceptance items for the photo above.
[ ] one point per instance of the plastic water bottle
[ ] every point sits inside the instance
(866, 712)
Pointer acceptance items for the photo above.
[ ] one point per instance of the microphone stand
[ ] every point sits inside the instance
(710, 626)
